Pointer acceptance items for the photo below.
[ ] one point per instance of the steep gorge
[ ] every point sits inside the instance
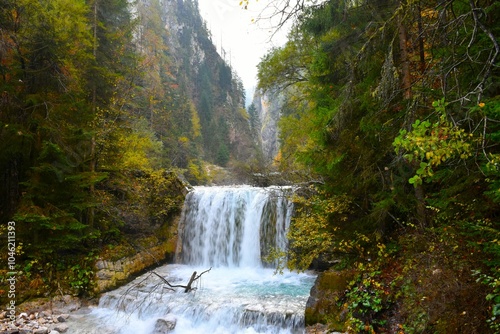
(199, 78)
(99, 123)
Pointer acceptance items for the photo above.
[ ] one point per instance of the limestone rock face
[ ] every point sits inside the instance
(268, 108)
(207, 80)
(150, 240)
(112, 274)
(322, 306)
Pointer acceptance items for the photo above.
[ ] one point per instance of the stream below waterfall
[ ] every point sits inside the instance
(227, 230)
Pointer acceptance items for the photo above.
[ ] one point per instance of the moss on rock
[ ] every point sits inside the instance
(324, 303)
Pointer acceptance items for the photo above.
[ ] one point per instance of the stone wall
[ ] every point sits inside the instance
(112, 274)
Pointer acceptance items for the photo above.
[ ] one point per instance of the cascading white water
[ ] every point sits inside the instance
(228, 229)
(233, 226)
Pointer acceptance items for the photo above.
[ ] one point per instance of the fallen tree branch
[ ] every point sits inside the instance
(187, 287)
(135, 292)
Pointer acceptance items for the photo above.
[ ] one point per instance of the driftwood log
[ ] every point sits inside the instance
(124, 303)
(187, 287)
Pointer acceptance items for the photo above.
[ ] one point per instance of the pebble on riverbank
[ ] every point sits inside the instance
(40, 316)
(34, 323)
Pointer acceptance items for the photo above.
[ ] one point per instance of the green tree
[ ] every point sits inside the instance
(355, 74)
(45, 104)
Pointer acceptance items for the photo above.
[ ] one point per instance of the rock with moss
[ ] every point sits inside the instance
(324, 305)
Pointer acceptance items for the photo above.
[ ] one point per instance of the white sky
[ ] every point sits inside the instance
(244, 41)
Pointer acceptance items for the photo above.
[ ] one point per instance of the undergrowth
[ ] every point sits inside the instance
(425, 282)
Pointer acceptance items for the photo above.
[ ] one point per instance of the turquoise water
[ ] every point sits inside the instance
(227, 229)
(227, 300)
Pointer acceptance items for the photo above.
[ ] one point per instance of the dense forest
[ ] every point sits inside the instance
(106, 107)
(392, 110)
(389, 120)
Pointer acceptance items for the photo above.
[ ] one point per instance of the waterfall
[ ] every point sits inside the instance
(233, 226)
(228, 229)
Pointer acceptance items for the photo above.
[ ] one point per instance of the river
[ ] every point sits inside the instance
(225, 230)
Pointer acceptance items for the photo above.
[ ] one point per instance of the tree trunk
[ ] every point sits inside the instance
(407, 94)
(94, 109)
(405, 60)
(421, 45)
(191, 280)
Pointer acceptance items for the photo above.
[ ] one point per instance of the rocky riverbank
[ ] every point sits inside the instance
(42, 316)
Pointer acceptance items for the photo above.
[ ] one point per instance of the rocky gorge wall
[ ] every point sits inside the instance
(268, 106)
(323, 305)
(149, 240)
(111, 274)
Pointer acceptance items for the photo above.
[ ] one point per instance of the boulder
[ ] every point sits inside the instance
(61, 327)
(62, 317)
(323, 304)
(41, 330)
(165, 325)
